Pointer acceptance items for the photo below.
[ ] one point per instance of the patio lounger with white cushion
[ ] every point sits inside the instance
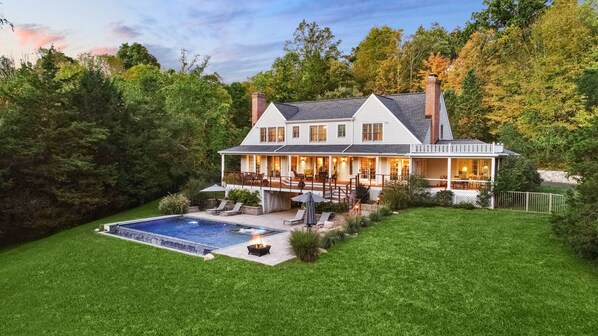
(220, 208)
(235, 211)
(297, 220)
(327, 226)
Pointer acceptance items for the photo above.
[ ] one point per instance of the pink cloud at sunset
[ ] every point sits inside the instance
(103, 50)
(39, 36)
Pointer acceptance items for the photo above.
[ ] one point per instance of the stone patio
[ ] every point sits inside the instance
(280, 250)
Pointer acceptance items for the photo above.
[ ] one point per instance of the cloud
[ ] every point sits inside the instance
(120, 30)
(103, 50)
(39, 36)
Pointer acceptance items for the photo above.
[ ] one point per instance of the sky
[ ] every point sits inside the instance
(242, 37)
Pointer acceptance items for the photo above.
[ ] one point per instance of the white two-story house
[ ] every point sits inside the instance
(330, 146)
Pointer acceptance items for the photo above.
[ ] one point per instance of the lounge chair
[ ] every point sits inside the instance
(323, 219)
(299, 218)
(235, 211)
(220, 208)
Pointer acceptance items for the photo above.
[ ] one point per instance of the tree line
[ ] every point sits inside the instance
(83, 138)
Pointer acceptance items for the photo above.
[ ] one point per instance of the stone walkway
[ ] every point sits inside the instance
(280, 250)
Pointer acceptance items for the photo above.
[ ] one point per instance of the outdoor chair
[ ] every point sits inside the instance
(235, 211)
(220, 208)
(327, 226)
(299, 218)
(324, 218)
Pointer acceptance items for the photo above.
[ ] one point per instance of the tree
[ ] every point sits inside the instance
(434, 64)
(500, 14)
(469, 118)
(309, 67)
(517, 174)
(380, 46)
(241, 105)
(135, 54)
(578, 226)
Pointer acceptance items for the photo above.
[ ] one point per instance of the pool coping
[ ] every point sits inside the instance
(221, 251)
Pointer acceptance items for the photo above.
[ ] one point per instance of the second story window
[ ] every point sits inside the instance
(372, 132)
(281, 134)
(271, 134)
(263, 137)
(295, 131)
(342, 131)
(317, 133)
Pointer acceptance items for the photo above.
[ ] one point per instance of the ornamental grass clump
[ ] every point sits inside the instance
(174, 204)
(352, 224)
(375, 216)
(384, 211)
(331, 238)
(305, 245)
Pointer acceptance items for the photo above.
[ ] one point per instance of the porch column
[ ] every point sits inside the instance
(289, 166)
(492, 170)
(449, 169)
(410, 166)
(329, 166)
(254, 163)
(222, 168)
(376, 177)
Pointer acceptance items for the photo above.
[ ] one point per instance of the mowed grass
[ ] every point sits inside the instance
(423, 272)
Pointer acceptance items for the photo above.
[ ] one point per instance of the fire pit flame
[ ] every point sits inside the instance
(258, 247)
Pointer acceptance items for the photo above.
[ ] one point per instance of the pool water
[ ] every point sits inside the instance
(206, 232)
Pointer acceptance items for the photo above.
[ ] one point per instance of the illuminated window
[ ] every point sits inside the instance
(271, 134)
(281, 134)
(371, 132)
(317, 133)
(263, 137)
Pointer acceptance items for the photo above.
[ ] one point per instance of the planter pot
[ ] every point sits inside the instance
(252, 210)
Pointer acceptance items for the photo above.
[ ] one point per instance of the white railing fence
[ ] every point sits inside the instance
(529, 201)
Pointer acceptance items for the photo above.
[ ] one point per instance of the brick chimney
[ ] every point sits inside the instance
(433, 106)
(258, 106)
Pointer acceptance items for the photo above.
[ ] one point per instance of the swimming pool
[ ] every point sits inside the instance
(193, 235)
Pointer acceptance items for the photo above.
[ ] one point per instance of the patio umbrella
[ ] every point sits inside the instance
(213, 188)
(310, 201)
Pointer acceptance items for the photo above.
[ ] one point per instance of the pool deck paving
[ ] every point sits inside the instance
(280, 250)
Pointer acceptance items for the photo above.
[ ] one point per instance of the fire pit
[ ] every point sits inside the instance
(258, 248)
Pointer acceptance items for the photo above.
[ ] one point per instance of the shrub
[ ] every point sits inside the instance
(331, 207)
(244, 196)
(305, 245)
(362, 193)
(352, 224)
(517, 174)
(418, 191)
(331, 238)
(464, 205)
(444, 198)
(484, 197)
(375, 216)
(384, 211)
(395, 195)
(192, 190)
(173, 204)
(364, 221)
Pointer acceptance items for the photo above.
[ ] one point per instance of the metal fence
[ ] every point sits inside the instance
(529, 201)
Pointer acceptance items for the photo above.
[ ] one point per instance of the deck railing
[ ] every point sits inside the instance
(492, 148)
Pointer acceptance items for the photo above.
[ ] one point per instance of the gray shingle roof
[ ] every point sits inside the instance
(287, 111)
(378, 149)
(312, 149)
(252, 149)
(326, 109)
(460, 141)
(408, 108)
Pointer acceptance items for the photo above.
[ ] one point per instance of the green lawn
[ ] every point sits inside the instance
(426, 271)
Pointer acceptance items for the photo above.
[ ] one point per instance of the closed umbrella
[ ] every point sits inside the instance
(310, 201)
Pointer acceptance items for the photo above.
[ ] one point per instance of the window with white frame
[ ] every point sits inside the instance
(317, 133)
(341, 130)
(271, 134)
(295, 131)
(371, 132)
(263, 136)
(281, 134)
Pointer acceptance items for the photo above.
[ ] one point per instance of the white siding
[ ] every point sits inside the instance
(393, 131)
(444, 121)
(270, 118)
